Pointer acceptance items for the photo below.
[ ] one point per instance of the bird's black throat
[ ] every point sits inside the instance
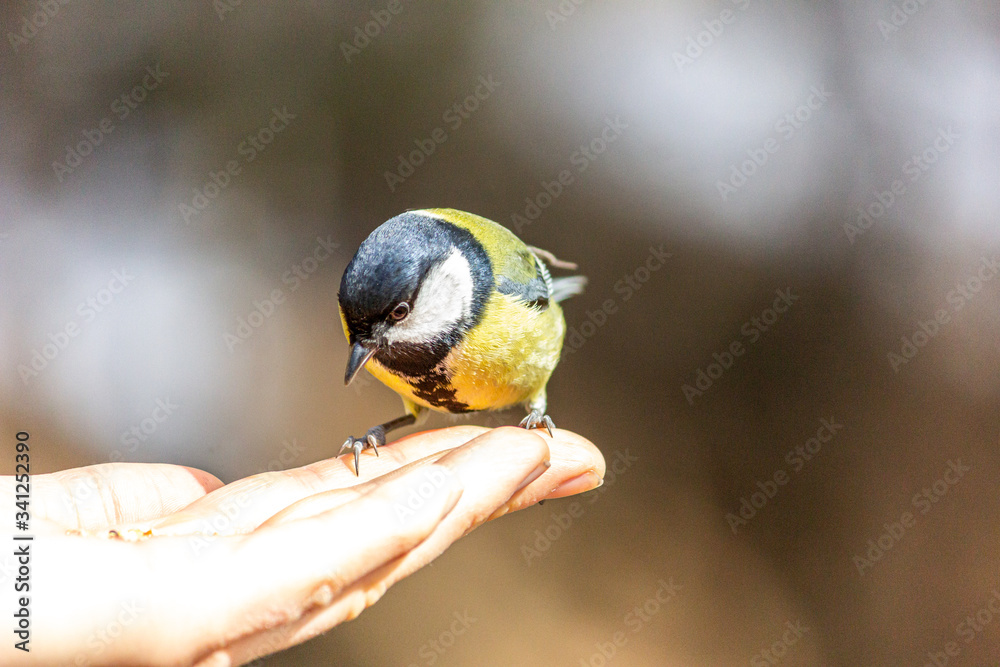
(422, 367)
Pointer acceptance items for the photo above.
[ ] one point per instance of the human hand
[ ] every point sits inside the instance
(166, 565)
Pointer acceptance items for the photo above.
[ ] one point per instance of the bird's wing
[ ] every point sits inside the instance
(542, 287)
(513, 279)
(563, 288)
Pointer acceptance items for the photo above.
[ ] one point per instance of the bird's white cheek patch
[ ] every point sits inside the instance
(445, 298)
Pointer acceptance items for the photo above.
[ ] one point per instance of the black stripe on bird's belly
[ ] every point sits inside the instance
(436, 389)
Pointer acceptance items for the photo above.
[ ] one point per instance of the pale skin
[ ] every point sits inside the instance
(165, 565)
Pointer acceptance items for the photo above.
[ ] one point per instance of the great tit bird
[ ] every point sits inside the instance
(454, 313)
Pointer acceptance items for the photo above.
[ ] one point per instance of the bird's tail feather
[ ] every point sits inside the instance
(564, 288)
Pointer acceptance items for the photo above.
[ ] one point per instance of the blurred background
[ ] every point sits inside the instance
(787, 351)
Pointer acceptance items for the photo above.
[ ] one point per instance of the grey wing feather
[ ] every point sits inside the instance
(536, 292)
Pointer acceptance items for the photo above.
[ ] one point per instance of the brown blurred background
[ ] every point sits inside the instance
(894, 111)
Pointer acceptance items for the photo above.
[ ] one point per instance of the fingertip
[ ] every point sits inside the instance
(583, 449)
(497, 453)
(206, 480)
(588, 481)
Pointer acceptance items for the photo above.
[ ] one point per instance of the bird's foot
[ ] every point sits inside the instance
(374, 439)
(536, 419)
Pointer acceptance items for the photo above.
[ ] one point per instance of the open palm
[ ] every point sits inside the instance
(164, 564)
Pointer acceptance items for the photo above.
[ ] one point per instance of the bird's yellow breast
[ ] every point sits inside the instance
(509, 356)
(504, 360)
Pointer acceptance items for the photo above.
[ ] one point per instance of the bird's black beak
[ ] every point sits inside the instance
(360, 354)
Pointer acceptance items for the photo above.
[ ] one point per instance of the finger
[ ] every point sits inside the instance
(577, 466)
(242, 506)
(96, 497)
(328, 500)
(185, 603)
(492, 468)
(329, 553)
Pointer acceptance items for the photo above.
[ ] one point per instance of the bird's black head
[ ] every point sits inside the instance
(410, 293)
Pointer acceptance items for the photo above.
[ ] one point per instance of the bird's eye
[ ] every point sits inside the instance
(400, 312)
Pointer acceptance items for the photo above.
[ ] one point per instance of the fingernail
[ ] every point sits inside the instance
(534, 474)
(586, 482)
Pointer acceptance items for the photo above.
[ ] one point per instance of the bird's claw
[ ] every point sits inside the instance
(536, 419)
(357, 446)
(374, 439)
